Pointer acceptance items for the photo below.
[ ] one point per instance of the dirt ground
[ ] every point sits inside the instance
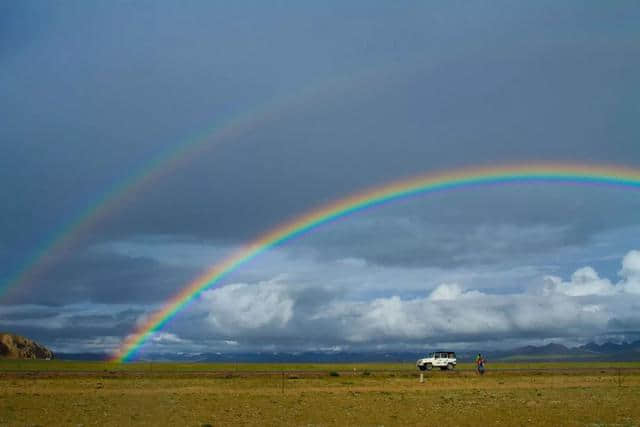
(597, 397)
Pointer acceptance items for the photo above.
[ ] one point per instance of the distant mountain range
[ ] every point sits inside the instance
(625, 351)
(550, 352)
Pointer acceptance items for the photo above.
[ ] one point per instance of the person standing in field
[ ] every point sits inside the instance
(480, 361)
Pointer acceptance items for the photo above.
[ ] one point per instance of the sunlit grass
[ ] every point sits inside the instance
(98, 393)
(96, 366)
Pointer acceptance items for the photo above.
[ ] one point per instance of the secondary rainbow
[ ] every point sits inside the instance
(79, 226)
(65, 237)
(615, 176)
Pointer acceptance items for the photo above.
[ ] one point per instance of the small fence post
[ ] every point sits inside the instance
(421, 377)
(619, 380)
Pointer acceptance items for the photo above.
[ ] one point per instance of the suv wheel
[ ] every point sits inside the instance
(429, 366)
(421, 367)
(450, 366)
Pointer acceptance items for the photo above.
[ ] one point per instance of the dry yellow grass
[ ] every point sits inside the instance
(543, 397)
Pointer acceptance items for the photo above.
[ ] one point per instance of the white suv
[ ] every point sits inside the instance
(439, 359)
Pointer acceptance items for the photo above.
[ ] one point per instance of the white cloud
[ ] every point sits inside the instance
(586, 281)
(166, 338)
(286, 314)
(394, 319)
(585, 304)
(446, 292)
(631, 264)
(592, 308)
(451, 291)
(631, 272)
(242, 306)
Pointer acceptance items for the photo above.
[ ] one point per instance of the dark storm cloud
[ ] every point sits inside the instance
(93, 91)
(294, 164)
(459, 91)
(102, 277)
(21, 23)
(74, 330)
(76, 327)
(30, 312)
(478, 227)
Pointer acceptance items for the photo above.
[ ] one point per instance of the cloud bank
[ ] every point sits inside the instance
(277, 314)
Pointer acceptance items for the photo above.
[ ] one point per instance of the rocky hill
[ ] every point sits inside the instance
(17, 347)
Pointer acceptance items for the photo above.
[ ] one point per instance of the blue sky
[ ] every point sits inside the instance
(363, 93)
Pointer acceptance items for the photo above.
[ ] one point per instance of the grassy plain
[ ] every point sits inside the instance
(81, 393)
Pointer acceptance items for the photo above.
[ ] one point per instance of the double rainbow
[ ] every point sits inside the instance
(613, 176)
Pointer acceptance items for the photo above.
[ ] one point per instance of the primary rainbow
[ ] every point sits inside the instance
(615, 176)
